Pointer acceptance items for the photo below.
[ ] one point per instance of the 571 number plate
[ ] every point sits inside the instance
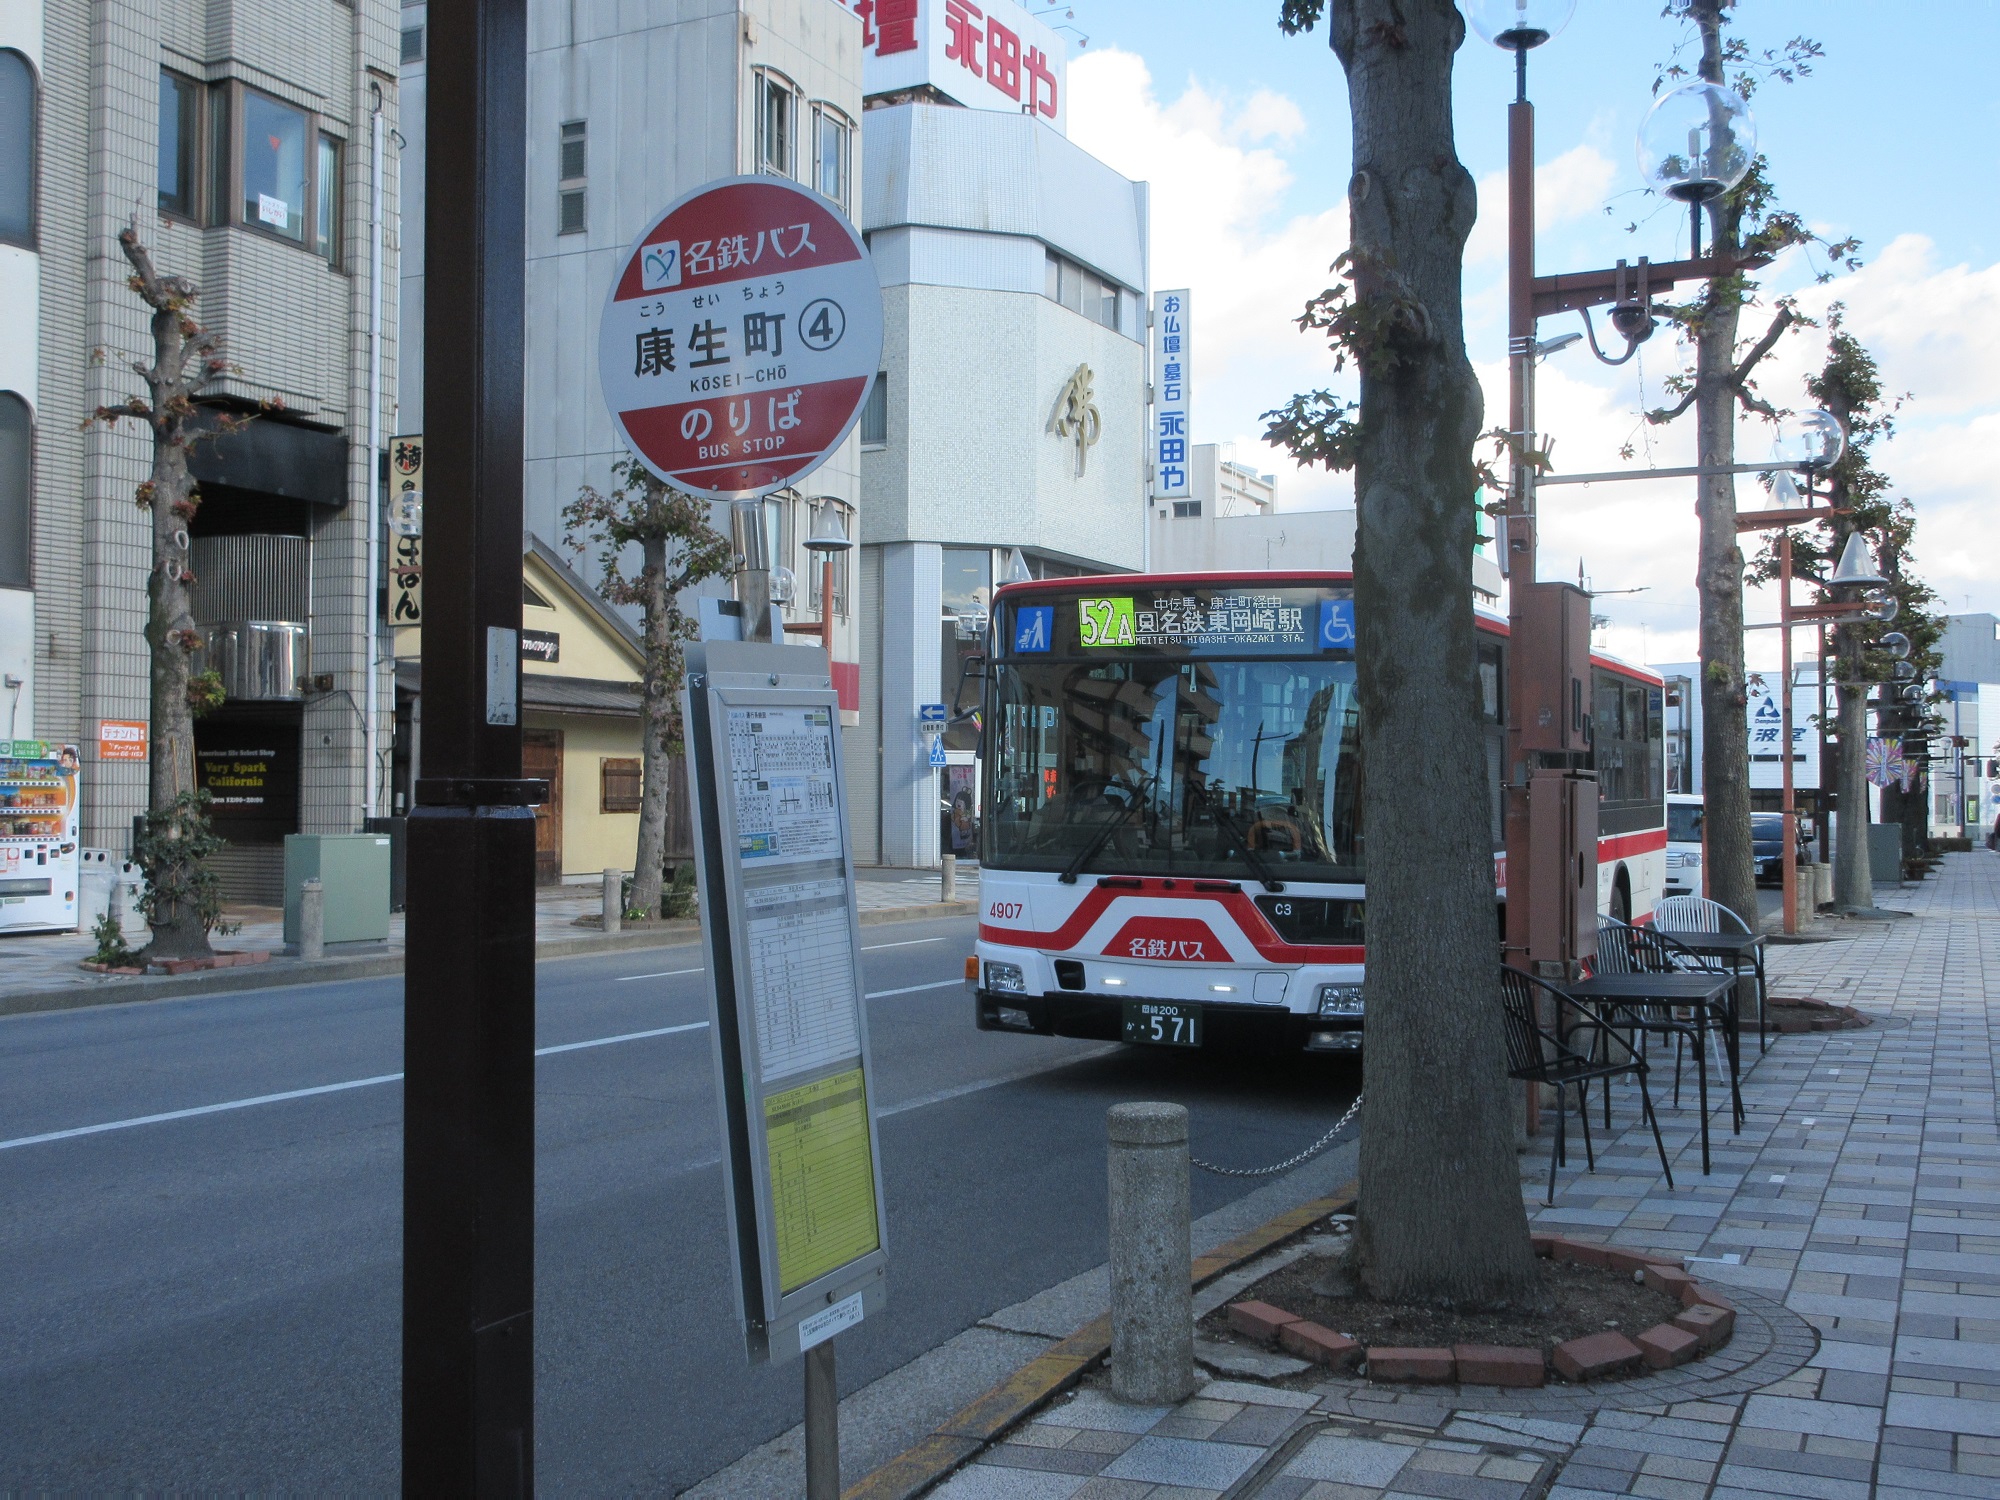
(1163, 1023)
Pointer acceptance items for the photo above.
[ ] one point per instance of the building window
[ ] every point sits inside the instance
(216, 209)
(1083, 291)
(832, 134)
(573, 166)
(180, 145)
(17, 462)
(1187, 507)
(413, 44)
(327, 217)
(620, 785)
(17, 150)
(875, 414)
(275, 170)
(777, 123)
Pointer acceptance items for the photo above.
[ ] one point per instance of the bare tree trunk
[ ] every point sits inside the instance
(178, 925)
(656, 728)
(1440, 1208)
(1725, 756)
(1853, 880)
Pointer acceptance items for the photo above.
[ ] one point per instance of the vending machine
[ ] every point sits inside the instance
(38, 837)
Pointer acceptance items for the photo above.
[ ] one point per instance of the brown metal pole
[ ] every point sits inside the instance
(1789, 857)
(1518, 533)
(469, 977)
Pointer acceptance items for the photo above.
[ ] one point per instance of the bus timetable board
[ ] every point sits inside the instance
(790, 1033)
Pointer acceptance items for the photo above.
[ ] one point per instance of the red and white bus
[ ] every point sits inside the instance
(1171, 846)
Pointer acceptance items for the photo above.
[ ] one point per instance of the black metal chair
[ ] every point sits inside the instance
(1625, 949)
(1538, 1055)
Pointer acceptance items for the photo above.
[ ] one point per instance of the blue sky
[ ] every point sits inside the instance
(1895, 138)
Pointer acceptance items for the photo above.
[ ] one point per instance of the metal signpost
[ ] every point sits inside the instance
(736, 350)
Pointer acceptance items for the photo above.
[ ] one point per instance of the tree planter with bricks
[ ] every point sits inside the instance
(1692, 1320)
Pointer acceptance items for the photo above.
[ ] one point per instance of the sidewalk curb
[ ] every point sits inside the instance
(383, 965)
(965, 1434)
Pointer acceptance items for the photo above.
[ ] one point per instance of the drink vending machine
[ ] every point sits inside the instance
(38, 836)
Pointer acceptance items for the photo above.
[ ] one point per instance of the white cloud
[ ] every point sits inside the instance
(1218, 186)
(1573, 186)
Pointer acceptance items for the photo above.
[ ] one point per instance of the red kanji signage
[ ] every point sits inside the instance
(1186, 940)
(739, 340)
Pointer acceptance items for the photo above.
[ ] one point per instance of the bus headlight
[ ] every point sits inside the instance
(1340, 999)
(1006, 978)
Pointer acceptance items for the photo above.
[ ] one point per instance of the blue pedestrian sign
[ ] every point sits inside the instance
(1034, 627)
(937, 752)
(1336, 625)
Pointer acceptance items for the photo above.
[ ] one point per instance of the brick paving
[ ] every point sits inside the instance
(1855, 1220)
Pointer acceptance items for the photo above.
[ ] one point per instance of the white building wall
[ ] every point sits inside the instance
(1294, 540)
(913, 600)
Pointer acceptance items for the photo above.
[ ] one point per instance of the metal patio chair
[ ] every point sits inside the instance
(1625, 949)
(1537, 1055)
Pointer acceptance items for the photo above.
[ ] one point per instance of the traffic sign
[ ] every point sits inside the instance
(740, 337)
(937, 751)
(930, 718)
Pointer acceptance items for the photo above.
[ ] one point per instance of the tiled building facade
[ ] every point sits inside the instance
(238, 139)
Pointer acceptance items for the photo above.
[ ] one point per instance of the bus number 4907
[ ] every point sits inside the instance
(1005, 911)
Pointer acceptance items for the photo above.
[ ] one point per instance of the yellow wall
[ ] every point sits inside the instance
(592, 841)
(588, 649)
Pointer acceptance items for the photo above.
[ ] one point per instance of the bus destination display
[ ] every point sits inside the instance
(1256, 621)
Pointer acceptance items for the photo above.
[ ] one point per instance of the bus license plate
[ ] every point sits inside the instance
(1163, 1023)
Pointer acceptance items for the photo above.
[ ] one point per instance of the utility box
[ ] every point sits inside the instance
(353, 869)
(1885, 853)
(1562, 842)
(1550, 660)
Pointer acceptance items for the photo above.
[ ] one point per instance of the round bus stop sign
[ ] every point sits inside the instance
(740, 337)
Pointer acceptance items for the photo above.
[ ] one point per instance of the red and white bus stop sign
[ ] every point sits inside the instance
(740, 338)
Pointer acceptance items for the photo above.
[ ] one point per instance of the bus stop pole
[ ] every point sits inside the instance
(822, 1424)
(469, 976)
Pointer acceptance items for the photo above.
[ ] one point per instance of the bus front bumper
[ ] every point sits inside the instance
(1102, 1018)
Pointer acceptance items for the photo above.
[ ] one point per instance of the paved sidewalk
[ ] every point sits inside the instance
(43, 963)
(1856, 1221)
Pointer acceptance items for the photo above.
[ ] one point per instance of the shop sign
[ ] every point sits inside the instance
(1170, 437)
(541, 645)
(984, 54)
(406, 512)
(121, 739)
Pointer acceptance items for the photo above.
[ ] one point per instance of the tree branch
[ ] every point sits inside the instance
(1771, 335)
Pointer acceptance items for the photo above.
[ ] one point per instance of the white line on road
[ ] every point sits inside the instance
(663, 974)
(959, 1091)
(914, 989)
(324, 1088)
(907, 943)
(630, 1036)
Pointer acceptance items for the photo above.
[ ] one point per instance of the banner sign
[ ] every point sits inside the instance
(790, 1030)
(121, 739)
(406, 517)
(1170, 438)
(740, 338)
(984, 54)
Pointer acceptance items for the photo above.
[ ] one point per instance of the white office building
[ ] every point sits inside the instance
(1008, 430)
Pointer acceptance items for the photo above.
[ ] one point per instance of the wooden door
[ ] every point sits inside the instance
(541, 760)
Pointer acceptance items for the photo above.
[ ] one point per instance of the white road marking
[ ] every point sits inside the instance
(959, 1091)
(907, 943)
(663, 974)
(914, 989)
(324, 1088)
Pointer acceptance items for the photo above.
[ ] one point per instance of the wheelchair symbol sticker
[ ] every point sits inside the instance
(1336, 625)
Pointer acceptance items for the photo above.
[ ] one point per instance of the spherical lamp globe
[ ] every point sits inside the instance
(1517, 25)
(1697, 142)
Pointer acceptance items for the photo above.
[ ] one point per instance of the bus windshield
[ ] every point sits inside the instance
(1152, 766)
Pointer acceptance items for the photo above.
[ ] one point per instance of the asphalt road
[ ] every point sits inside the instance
(210, 1300)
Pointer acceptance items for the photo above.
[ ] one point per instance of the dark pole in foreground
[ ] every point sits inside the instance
(822, 1424)
(469, 979)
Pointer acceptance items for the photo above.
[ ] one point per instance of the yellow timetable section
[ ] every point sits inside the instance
(822, 1177)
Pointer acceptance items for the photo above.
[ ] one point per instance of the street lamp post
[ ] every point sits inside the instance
(829, 538)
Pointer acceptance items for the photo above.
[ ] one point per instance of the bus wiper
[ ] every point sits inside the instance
(1259, 866)
(1091, 851)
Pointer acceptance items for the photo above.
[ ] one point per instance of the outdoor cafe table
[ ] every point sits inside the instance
(1712, 993)
(1735, 947)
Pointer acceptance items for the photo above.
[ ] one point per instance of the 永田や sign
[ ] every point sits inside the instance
(740, 337)
(984, 54)
(1172, 348)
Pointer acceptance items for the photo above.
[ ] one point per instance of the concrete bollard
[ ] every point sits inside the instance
(1152, 1304)
(1803, 890)
(1822, 885)
(312, 920)
(614, 900)
(948, 883)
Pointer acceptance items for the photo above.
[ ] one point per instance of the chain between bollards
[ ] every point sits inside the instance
(1291, 1161)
